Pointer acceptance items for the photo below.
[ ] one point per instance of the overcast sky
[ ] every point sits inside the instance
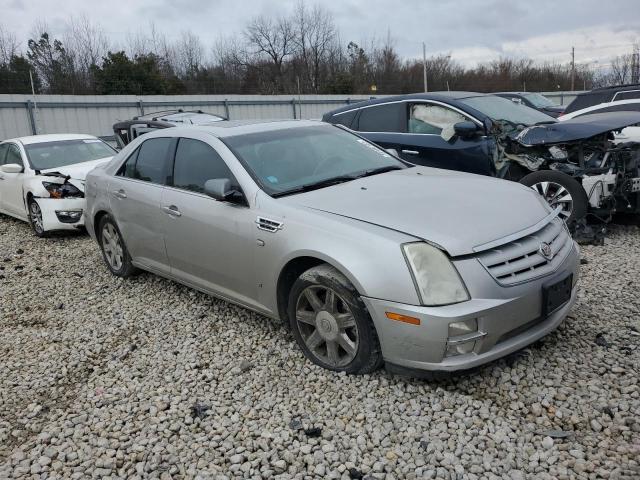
(470, 30)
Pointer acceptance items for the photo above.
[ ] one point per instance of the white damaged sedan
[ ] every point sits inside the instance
(42, 178)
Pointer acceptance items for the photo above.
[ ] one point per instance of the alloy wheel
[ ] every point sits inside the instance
(327, 326)
(556, 196)
(36, 217)
(112, 246)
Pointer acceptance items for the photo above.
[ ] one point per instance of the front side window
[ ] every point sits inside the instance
(56, 154)
(286, 160)
(195, 163)
(13, 155)
(3, 152)
(432, 119)
(148, 162)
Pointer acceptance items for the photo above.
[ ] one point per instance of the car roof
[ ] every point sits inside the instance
(442, 96)
(53, 137)
(239, 127)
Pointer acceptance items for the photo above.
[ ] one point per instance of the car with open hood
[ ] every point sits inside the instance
(367, 258)
(42, 178)
(574, 164)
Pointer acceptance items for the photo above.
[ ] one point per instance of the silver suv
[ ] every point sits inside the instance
(368, 259)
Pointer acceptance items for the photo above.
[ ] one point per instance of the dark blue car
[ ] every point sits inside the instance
(573, 164)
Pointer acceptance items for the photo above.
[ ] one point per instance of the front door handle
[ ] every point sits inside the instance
(171, 210)
(119, 193)
(411, 152)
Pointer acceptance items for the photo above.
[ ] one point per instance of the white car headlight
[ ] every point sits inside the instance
(437, 280)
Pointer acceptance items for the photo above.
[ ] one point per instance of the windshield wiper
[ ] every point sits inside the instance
(316, 185)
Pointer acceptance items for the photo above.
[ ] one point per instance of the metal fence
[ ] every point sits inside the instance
(22, 115)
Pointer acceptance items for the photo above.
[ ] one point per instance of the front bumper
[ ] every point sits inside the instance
(62, 213)
(510, 317)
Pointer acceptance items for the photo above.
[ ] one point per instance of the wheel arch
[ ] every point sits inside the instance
(96, 220)
(293, 268)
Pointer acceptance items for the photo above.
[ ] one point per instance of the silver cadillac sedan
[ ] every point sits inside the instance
(369, 260)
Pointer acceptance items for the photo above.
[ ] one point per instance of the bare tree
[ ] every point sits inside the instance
(85, 41)
(272, 40)
(189, 54)
(8, 46)
(315, 34)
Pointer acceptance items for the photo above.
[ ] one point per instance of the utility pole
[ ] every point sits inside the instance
(424, 67)
(635, 64)
(573, 68)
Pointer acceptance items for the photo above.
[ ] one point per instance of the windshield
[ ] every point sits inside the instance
(285, 161)
(498, 108)
(47, 155)
(540, 101)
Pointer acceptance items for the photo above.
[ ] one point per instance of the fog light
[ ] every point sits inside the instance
(68, 216)
(462, 337)
(462, 328)
(460, 349)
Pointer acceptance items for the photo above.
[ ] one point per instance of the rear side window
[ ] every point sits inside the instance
(195, 163)
(345, 119)
(629, 95)
(148, 162)
(390, 117)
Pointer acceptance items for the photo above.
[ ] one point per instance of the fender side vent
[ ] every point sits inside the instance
(268, 225)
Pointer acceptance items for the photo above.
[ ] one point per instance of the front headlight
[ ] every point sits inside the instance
(62, 190)
(436, 278)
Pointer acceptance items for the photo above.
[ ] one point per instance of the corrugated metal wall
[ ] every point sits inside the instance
(95, 114)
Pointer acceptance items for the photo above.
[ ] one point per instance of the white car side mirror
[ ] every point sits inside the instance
(12, 168)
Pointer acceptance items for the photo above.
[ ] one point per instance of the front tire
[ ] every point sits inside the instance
(559, 189)
(331, 323)
(35, 219)
(114, 251)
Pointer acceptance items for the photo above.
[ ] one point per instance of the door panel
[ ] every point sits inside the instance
(11, 185)
(209, 244)
(135, 194)
(136, 207)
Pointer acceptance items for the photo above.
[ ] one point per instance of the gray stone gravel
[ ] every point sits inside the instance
(108, 378)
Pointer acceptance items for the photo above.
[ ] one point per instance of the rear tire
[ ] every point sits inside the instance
(559, 189)
(114, 251)
(331, 323)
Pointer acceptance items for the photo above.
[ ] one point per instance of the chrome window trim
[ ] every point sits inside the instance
(625, 91)
(418, 100)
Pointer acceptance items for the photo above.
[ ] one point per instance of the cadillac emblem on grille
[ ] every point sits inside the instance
(545, 250)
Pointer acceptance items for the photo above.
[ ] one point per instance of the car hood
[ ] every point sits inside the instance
(78, 171)
(454, 210)
(575, 129)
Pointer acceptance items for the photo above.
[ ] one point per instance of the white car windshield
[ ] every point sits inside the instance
(56, 154)
(298, 159)
(539, 100)
(498, 108)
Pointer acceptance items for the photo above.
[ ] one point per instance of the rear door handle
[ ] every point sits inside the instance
(171, 210)
(411, 152)
(119, 193)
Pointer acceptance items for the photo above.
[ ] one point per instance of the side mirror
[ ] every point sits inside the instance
(220, 189)
(12, 168)
(466, 129)
(392, 151)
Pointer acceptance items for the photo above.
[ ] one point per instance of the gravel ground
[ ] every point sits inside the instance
(145, 378)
